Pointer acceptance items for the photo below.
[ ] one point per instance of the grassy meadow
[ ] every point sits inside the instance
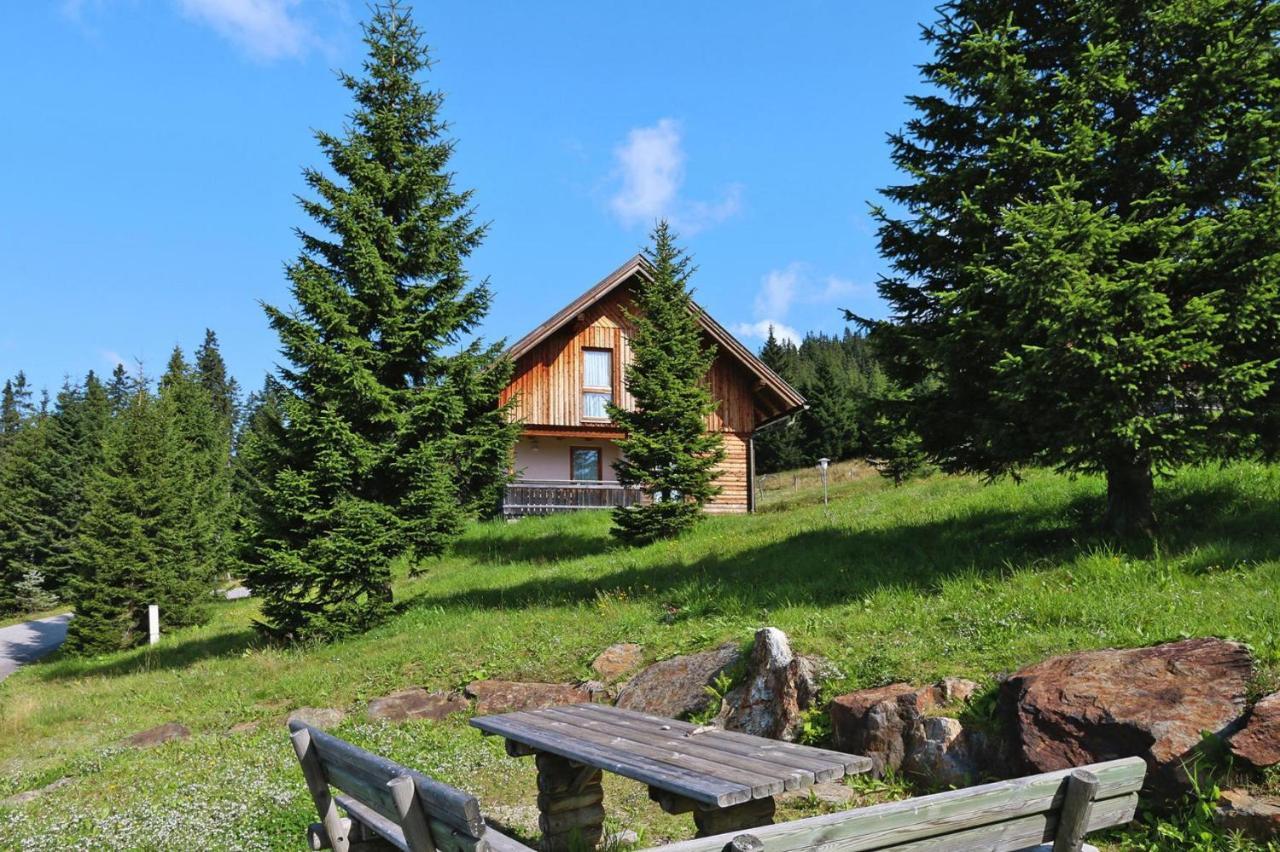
(944, 576)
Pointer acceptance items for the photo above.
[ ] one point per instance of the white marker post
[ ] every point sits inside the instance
(153, 620)
(822, 466)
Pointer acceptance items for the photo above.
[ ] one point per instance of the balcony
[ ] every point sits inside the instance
(544, 496)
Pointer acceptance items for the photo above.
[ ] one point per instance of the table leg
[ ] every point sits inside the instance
(747, 815)
(570, 803)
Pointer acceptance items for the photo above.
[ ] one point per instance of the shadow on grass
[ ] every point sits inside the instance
(830, 567)
(166, 655)
(550, 546)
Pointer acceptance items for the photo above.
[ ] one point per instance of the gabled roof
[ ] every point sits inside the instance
(637, 265)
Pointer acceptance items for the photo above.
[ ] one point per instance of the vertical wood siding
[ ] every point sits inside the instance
(547, 388)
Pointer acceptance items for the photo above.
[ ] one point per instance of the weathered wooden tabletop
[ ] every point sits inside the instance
(709, 766)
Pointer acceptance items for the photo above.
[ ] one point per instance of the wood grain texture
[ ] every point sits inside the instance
(1007, 815)
(558, 738)
(365, 775)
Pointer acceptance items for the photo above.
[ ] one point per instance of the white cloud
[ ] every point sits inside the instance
(760, 330)
(778, 290)
(651, 167)
(266, 29)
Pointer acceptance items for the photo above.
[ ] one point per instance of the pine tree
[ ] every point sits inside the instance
(391, 432)
(10, 418)
(120, 389)
(1086, 254)
(28, 488)
(777, 446)
(134, 545)
(211, 370)
(200, 421)
(74, 449)
(668, 451)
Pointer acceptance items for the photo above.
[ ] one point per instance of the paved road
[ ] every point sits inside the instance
(23, 643)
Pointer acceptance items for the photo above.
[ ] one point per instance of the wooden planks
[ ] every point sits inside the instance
(1006, 815)
(717, 768)
(364, 775)
(826, 764)
(560, 738)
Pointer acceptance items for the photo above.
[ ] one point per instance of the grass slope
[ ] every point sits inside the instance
(946, 576)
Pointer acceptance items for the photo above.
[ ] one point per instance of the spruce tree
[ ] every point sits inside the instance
(391, 431)
(668, 451)
(29, 488)
(1085, 248)
(120, 389)
(200, 421)
(134, 546)
(211, 371)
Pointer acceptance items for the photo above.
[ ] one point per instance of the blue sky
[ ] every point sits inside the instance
(152, 149)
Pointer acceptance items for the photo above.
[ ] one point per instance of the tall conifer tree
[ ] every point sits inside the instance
(1087, 249)
(668, 451)
(391, 432)
(134, 546)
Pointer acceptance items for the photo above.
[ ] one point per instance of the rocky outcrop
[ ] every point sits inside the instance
(417, 703)
(881, 723)
(160, 734)
(507, 696)
(618, 660)
(942, 753)
(1258, 742)
(318, 717)
(780, 687)
(1255, 816)
(678, 687)
(1099, 705)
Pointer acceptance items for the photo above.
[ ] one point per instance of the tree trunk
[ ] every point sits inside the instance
(1130, 489)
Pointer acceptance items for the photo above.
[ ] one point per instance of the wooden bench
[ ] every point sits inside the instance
(392, 806)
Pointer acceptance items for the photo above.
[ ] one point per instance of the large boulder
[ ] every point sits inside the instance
(1258, 742)
(881, 722)
(417, 703)
(508, 696)
(678, 687)
(1099, 705)
(617, 660)
(780, 687)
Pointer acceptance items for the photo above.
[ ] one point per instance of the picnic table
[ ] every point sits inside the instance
(726, 779)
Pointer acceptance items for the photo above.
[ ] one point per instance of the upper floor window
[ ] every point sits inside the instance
(597, 383)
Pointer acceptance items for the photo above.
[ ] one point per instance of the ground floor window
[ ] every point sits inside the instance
(585, 464)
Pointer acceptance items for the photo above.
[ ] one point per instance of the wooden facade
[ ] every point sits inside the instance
(549, 396)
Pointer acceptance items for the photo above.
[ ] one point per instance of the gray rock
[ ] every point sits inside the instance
(237, 593)
(780, 687)
(678, 687)
(318, 717)
(417, 703)
(158, 735)
(617, 660)
(31, 795)
(880, 722)
(942, 753)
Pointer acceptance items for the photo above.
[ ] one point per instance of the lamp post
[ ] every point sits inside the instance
(822, 466)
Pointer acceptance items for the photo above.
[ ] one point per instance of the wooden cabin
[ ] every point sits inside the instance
(571, 365)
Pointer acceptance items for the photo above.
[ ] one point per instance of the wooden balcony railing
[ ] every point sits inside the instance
(543, 496)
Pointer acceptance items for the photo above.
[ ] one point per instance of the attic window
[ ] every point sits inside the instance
(597, 383)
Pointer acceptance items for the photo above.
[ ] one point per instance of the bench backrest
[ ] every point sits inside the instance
(419, 814)
(1057, 807)
(405, 807)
